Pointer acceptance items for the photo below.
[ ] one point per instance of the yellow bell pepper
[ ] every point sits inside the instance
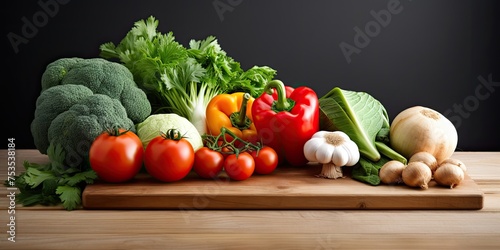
(234, 112)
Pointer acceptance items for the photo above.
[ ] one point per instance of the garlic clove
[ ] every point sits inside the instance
(324, 154)
(339, 156)
(353, 151)
(449, 174)
(312, 146)
(392, 172)
(417, 174)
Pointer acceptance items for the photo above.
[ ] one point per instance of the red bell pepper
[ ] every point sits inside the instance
(285, 118)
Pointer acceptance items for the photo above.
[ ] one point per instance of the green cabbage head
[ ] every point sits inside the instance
(156, 124)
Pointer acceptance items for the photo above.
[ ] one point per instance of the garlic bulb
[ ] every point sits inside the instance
(417, 174)
(333, 150)
(426, 158)
(392, 172)
(449, 174)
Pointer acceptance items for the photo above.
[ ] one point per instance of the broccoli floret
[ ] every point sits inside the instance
(101, 77)
(77, 127)
(49, 105)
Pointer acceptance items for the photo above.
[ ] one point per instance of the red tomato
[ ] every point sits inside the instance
(266, 160)
(239, 168)
(168, 159)
(116, 157)
(208, 163)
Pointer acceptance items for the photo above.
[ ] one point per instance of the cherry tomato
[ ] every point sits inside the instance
(116, 156)
(167, 159)
(239, 168)
(266, 160)
(208, 163)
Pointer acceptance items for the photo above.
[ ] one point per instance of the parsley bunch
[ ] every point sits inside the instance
(53, 183)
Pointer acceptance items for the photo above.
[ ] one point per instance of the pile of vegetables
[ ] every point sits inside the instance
(171, 110)
(364, 119)
(117, 155)
(410, 150)
(80, 98)
(428, 139)
(179, 79)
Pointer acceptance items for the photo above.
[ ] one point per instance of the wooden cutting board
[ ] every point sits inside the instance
(286, 188)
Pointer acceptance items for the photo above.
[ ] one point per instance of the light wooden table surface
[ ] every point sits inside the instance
(55, 228)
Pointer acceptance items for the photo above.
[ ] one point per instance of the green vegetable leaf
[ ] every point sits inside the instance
(388, 151)
(86, 177)
(49, 186)
(178, 79)
(357, 114)
(253, 80)
(35, 177)
(364, 119)
(70, 196)
(56, 154)
(367, 171)
(221, 68)
(52, 183)
(31, 199)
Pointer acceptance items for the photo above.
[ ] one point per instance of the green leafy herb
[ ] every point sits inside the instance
(52, 183)
(179, 79)
(365, 120)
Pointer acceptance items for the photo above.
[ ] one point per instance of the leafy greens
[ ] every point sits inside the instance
(179, 79)
(364, 119)
(53, 183)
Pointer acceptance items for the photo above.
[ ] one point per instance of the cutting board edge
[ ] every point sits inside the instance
(472, 201)
(287, 194)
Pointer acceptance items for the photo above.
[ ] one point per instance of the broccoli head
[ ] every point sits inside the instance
(77, 128)
(73, 116)
(101, 77)
(49, 105)
(81, 98)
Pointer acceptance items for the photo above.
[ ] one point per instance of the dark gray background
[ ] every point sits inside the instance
(431, 53)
